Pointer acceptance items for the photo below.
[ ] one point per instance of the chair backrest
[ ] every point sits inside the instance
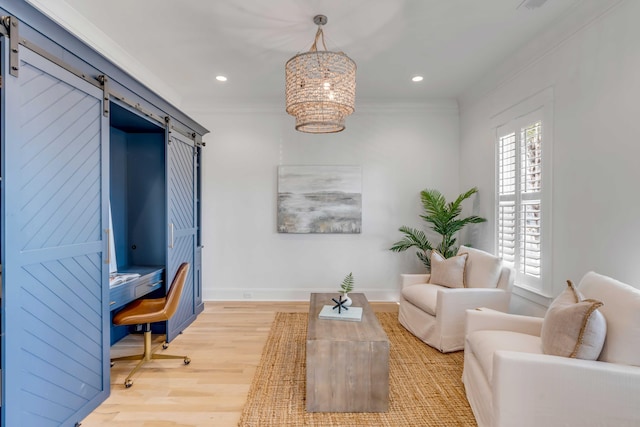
(175, 291)
(621, 309)
(485, 270)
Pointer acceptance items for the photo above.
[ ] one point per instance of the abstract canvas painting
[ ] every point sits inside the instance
(319, 199)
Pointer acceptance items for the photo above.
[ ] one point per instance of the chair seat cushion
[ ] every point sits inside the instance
(483, 344)
(423, 296)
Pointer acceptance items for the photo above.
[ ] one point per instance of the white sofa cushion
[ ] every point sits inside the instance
(573, 326)
(448, 272)
(622, 310)
(482, 268)
(483, 344)
(423, 296)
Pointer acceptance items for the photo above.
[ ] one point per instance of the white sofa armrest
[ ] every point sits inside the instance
(456, 301)
(507, 277)
(531, 390)
(452, 304)
(486, 319)
(413, 279)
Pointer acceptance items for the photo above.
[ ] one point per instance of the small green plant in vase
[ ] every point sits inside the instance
(346, 287)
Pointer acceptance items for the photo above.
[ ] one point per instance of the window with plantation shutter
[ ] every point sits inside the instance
(522, 222)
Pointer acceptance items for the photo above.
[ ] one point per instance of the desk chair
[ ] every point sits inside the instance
(147, 311)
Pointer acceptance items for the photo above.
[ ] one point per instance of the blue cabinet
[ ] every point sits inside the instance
(154, 189)
(58, 171)
(55, 340)
(182, 214)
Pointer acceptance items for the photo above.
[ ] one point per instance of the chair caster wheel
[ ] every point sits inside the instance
(165, 346)
(113, 363)
(128, 383)
(187, 360)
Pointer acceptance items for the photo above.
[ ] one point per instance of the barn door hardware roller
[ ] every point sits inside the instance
(11, 24)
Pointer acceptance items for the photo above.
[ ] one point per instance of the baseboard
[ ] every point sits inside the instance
(260, 294)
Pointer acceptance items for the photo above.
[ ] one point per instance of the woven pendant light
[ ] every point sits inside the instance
(320, 87)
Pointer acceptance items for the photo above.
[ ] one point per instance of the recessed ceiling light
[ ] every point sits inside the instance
(417, 78)
(221, 78)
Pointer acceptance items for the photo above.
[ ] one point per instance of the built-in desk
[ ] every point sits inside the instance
(151, 279)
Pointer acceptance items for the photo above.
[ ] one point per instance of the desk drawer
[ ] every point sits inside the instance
(124, 293)
(119, 296)
(144, 289)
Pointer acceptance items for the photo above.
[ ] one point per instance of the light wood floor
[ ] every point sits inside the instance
(225, 344)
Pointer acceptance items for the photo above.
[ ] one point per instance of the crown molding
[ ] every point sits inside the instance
(365, 106)
(575, 20)
(436, 105)
(281, 294)
(69, 18)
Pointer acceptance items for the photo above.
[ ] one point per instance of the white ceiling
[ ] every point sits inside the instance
(178, 47)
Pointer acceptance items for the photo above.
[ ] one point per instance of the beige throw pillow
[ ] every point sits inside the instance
(447, 272)
(573, 326)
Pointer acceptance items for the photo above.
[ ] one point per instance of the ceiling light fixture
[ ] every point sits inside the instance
(221, 78)
(320, 87)
(417, 78)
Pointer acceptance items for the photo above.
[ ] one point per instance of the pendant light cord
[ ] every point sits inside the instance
(319, 36)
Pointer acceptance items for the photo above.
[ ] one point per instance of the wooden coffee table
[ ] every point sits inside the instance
(347, 362)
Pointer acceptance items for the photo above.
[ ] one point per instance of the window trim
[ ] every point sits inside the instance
(540, 104)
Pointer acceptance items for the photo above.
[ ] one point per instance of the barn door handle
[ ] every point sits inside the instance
(171, 236)
(108, 260)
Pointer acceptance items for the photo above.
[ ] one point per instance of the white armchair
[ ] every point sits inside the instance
(510, 382)
(436, 314)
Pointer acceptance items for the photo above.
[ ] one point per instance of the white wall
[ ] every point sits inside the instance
(591, 60)
(402, 149)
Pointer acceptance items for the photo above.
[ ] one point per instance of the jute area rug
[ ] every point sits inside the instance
(425, 388)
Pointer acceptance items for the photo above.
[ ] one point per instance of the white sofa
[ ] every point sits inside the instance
(510, 382)
(436, 314)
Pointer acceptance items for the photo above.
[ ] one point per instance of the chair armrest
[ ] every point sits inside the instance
(413, 279)
(452, 304)
(536, 390)
(507, 277)
(486, 319)
(458, 300)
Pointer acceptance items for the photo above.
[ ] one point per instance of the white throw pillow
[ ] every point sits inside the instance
(447, 272)
(483, 269)
(573, 326)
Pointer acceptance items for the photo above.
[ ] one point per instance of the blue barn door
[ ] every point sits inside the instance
(181, 206)
(55, 337)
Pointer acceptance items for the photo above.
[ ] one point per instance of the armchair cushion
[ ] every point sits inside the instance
(423, 296)
(482, 268)
(448, 272)
(573, 326)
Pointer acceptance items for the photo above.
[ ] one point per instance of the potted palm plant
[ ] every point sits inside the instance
(443, 218)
